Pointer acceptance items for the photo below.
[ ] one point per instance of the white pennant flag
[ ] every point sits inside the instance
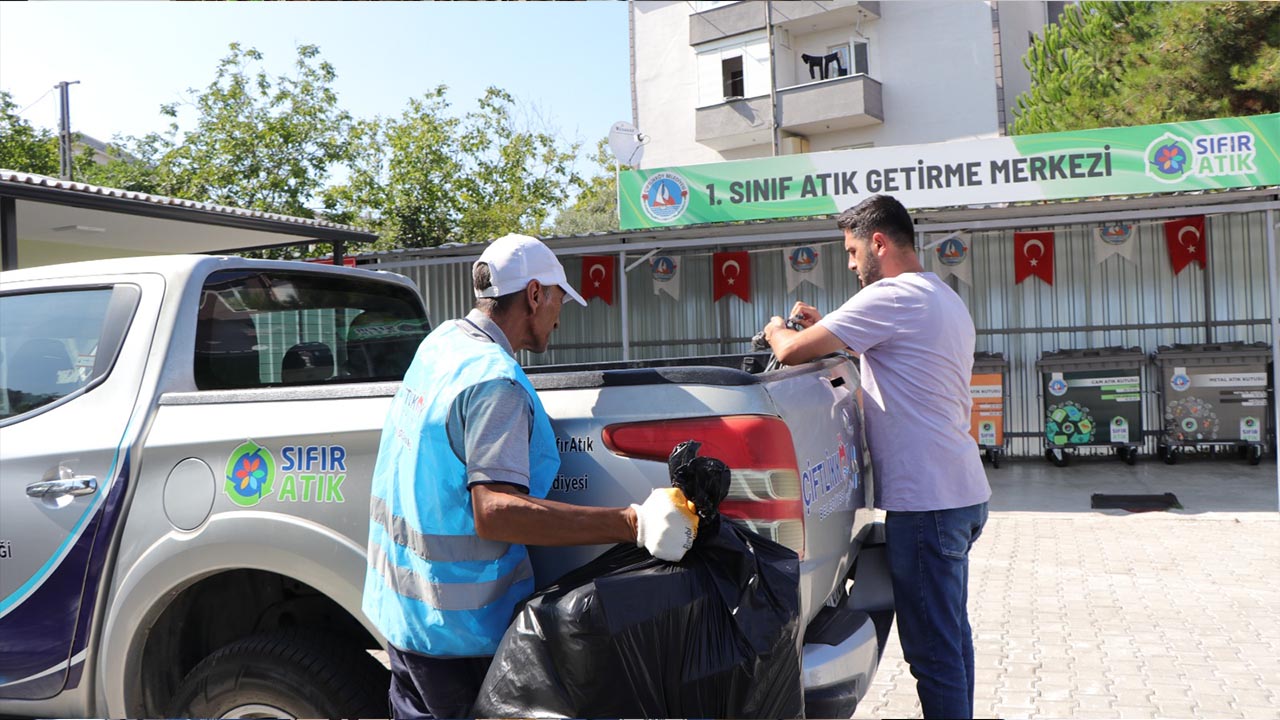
(1111, 240)
(803, 264)
(951, 257)
(666, 275)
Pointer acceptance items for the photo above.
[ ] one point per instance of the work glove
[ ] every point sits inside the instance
(666, 524)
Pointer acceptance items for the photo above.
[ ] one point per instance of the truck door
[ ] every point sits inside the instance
(70, 370)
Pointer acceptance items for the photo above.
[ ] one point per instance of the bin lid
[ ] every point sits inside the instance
(1092, 359)
(1212, 352)
(989, 361)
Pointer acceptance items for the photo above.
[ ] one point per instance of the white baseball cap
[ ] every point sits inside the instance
(514, 260)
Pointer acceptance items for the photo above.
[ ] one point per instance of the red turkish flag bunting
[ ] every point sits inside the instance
(731, 272)
(1033, 255)
(1186, 241)
(597, 277)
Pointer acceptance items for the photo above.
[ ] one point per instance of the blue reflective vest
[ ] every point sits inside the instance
(432, 586)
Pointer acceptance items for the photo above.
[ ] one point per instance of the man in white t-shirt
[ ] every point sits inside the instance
(914, 338)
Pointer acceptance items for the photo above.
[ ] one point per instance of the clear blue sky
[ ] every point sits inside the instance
(567, 60)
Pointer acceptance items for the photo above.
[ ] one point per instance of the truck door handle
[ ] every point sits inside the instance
(75, 485)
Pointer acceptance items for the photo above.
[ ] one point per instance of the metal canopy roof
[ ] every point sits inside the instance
(45, 220)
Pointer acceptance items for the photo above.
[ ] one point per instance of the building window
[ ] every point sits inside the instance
(842, 60)
(860, 64)
(731, 72)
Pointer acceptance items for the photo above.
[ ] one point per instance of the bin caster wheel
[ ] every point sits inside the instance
(1057, 456)
(1129, 455)
(1255, 454)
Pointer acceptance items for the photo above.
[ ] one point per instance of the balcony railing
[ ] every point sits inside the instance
(837, 104)
(814, 108)
(734, 123)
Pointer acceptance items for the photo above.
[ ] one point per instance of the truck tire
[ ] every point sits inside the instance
(288, 673)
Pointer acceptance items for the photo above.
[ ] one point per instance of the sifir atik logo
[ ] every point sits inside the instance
(308, 474)
(250, 474)
(1171, 159)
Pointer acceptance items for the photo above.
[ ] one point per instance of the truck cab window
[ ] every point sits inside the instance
(48, 346)
(265, 329)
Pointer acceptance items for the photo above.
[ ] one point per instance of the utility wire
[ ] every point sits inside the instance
(45, 95)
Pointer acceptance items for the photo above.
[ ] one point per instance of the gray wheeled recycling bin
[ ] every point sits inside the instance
(989, 390)
(1092, 398)
(1215, 395)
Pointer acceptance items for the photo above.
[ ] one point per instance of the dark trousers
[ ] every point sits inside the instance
(432, 687)
(929, 565)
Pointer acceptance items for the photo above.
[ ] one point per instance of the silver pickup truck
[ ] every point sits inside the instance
(185, 452)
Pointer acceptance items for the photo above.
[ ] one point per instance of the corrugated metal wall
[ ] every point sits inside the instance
(1089, 305)
(1153, 306)
(279, 331)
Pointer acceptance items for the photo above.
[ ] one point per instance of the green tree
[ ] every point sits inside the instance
(121, 170)
(1108, 64)
(595, 209)
(23, 147)
(516, 175)
(429, 177)
(260, 142)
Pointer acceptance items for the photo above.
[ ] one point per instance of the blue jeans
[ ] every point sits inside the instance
(929, 564)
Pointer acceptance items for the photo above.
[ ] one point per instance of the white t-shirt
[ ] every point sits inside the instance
(915, 338)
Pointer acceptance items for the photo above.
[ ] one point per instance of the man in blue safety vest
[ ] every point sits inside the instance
(464, 465)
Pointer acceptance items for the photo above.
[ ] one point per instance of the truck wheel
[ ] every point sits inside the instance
(287, 673)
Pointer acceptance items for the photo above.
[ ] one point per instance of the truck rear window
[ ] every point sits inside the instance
(264, 329)
(48, 345)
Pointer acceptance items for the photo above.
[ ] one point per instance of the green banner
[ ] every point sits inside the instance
(1174, 157)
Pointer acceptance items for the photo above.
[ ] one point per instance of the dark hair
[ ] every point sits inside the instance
(879, 213)
(481, 280)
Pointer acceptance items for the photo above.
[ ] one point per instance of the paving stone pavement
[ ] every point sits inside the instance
(1108, 614)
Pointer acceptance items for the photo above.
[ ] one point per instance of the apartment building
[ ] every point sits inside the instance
(714, 80)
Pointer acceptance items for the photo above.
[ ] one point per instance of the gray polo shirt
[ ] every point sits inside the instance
(490, 423)
(915, 338)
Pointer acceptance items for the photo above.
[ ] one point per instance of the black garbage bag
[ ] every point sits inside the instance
(715, 635)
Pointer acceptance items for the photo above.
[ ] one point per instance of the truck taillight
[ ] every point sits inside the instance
(764, 479)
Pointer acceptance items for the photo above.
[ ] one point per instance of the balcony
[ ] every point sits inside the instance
(734, 123)
(745, 17)
(804, 17)
(840, 103)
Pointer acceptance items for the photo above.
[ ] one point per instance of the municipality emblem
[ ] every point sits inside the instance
(664, 268)
(952, 252)
(803, 259)
(1115, 234)
(664, 197)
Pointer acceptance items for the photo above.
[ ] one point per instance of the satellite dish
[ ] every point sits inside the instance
(627, 143)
